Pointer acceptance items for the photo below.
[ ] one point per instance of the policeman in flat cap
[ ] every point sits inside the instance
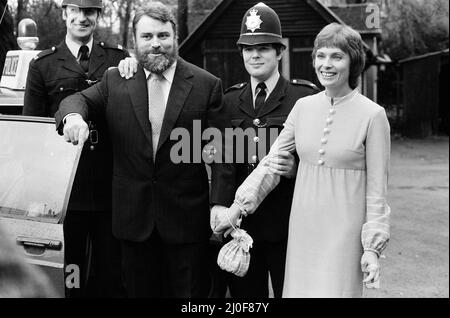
(72, 66)
(263, 103)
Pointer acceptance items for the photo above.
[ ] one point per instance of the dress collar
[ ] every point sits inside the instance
(336, 101)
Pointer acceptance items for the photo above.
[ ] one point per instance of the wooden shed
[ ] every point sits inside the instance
(424, 94)
(212, 45)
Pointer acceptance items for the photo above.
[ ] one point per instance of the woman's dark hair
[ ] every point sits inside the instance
(349, 41)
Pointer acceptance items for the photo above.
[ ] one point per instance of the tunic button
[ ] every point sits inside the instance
(256, 122)
(324, 141)
(255, 158)
(321, 151)
(332, 111)
(256, 139)
(326, 130)
(329, 120)
(61, 88)
(321, 162)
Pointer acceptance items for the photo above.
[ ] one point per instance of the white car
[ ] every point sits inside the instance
(37, 168)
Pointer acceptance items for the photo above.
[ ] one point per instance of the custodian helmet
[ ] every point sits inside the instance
(260, 25)
(83, 3)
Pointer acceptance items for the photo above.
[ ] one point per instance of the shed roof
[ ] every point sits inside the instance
(328, 15)
(355, 15)
(418, 57)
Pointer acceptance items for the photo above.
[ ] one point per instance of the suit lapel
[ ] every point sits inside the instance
(97, 59)
(275, 98)
(69, 61)
(181, 86)
(138, 91)
(246, 101)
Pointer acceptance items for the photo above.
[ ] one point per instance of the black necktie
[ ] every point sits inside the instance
(84, 58)
(261, 97)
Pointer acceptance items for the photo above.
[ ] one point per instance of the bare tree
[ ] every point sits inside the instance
(7, 39)
(415, 27)
(182, 16)
(22, 12)
(128, 4)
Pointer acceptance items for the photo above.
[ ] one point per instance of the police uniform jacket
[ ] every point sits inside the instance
(270, 222)
(55, 74)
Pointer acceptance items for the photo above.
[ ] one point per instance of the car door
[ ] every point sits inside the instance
(37, 168)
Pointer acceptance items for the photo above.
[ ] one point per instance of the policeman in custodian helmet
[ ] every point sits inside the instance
(260, 25)
(72, 66)
(263, 103)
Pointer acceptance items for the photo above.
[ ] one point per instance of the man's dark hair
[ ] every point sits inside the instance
(277, 46)
(155, 10)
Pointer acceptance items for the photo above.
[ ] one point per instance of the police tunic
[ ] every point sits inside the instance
(270, 222)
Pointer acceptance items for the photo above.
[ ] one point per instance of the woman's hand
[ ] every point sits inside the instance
(371, 268)
(283, 163)
(128, 67)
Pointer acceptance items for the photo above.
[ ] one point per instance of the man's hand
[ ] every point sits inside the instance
(75, 130)
(128, 67)
(283, 163)
(371, 268)
(223, 219)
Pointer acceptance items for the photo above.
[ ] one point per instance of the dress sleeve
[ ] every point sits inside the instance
(376, 229)
(263, 180)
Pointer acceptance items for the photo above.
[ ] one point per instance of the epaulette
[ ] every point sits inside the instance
(106, 45)
(235, 87)
(45, 53)
(304, 83)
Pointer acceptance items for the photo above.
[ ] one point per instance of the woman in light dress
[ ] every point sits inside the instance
(339, 222)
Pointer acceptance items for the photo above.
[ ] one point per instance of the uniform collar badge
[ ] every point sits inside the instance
(253, 20)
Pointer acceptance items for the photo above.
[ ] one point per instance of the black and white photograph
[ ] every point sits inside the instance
(225, 156)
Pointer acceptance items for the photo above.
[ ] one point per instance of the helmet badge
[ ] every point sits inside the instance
(253, 20)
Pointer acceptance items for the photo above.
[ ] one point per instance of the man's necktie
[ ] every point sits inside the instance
(261, 96)
(84, 58)
(157, 107)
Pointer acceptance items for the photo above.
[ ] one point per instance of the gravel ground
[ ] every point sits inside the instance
(417, 258)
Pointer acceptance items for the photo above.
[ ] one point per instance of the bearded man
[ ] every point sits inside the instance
(160, 208)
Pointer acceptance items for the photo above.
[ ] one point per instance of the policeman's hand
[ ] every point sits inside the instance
(283, 163)
(128, 67)
(371, 268)
(75, 130)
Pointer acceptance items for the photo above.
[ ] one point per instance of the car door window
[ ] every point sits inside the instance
(37, 168)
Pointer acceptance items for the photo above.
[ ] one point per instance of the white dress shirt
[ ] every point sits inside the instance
(271, 82)
(74, 47)
(166, 82)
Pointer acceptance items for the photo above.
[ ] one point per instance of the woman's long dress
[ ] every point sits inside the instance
(339, 207)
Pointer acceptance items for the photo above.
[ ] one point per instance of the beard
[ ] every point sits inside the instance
(157, 64)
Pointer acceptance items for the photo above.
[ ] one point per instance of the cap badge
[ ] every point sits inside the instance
(253, 20)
